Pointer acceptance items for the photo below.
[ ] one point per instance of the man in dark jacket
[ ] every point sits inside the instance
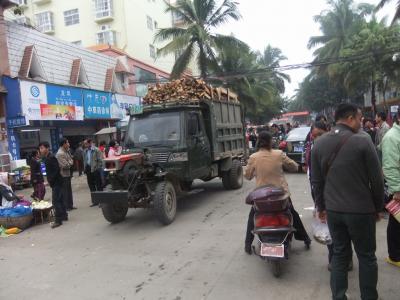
(55, 181)
(348, 189)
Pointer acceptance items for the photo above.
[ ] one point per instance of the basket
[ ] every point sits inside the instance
(22, 222)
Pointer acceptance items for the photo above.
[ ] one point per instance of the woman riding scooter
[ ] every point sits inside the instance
(267, 166)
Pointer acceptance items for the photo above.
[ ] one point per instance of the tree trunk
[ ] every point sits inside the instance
(373, 97)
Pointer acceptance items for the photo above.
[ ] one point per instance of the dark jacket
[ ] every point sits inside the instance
(36, 172)
(354, 183)
(53, 171)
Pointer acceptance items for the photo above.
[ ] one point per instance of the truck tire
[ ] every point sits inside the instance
(115, 212)
(165, 203)
(236, 175)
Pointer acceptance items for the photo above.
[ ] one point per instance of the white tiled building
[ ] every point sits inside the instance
(129, 25)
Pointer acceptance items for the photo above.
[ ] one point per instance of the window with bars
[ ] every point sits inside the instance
(149, 23)
(152, 51)
(106, 37)
(44, 21)
(103, 8)
(71, 17)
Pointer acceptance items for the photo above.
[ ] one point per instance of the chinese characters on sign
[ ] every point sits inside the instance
(51, 102)
(16, 122)
(97, 104)
(13, 144)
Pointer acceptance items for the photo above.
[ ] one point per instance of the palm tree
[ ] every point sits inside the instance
(271, 59)
(397, 13)
(195, 38)
(337, 26)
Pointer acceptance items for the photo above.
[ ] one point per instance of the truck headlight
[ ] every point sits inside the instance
(179, 156)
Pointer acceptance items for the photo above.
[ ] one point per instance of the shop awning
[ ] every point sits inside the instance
(107, 130)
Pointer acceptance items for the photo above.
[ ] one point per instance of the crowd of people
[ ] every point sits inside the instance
(87, 158)
(354, 170)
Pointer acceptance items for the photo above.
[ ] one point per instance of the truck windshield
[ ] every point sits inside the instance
(154, 129)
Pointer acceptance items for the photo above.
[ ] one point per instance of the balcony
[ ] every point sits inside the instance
(40, 2)
(104, 16)
(103, 10)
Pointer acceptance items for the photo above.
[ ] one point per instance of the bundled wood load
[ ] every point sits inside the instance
(186, 90)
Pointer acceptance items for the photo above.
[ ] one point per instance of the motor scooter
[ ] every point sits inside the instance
(273, 225)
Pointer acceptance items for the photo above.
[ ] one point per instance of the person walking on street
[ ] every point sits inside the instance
(37, 180)
(78, 159)
(93, 160)
(348, 190)
(391, 170)
(55, 181)
(381, 130)
(66, 162)
(266, 166)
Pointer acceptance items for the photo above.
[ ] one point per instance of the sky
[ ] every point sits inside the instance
(286, 24)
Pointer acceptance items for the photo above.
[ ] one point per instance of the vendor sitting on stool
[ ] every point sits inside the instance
(7, 197)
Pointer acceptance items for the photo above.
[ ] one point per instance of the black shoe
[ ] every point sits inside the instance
(247, 249)
(93, 205)
(55, 225)
(307, 242)
(65, 218)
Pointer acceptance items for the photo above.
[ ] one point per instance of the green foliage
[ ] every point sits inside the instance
(194, 39)
(365, 47)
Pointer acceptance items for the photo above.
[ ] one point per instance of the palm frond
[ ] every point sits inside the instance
(169, 33)
(227, 10)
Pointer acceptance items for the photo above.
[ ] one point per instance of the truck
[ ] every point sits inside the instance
(169, 145)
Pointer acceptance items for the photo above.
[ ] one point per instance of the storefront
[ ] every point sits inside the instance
(39, 112)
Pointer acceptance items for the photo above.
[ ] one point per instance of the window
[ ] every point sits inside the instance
(22, 2)
(44, 21)
(155, 25)
(71, 17)
(77, 43)
(152, 51)
(149, 23)
(106, 37)
(103, 8)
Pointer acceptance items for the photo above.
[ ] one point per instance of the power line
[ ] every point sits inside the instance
(262, 71)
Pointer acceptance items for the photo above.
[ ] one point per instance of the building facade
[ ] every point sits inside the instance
(53, 89)
(128, 25)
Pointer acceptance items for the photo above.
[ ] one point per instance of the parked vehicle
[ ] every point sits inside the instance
(294, 144)
(169, 145)
(273, 225)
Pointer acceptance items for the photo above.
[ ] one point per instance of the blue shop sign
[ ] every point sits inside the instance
(13, 143)
(16, 122)
(97, 104)
(64, 96)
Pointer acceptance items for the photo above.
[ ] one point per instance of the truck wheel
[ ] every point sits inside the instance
(165, 202)
(115, 212)
(236, 175)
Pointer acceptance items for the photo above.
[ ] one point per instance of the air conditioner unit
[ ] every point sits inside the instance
(24, 21)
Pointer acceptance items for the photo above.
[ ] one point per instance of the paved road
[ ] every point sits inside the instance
(199, 256)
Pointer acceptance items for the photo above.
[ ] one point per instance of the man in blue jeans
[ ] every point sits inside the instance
(349, 192)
